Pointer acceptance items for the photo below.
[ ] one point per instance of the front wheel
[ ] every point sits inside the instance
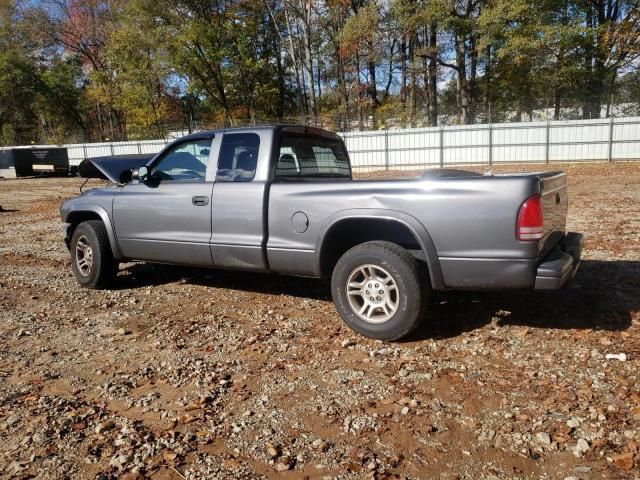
(91, 258)
(379, 291)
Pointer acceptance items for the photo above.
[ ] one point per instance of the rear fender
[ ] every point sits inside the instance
(411, 223)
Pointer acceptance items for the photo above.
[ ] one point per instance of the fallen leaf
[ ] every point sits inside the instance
(186, 419)
(624, 461)
(169, 456)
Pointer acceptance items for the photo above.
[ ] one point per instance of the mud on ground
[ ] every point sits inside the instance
(185, 373)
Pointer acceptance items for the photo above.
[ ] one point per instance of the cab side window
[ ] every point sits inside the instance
(186, 162)
(238, 157)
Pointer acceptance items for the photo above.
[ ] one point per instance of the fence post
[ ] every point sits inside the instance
(546, 142)
(111, 147)
(441, 147)
(139, 148)
(84, 151)
(386, 149)
(610, 152)
(490, 144)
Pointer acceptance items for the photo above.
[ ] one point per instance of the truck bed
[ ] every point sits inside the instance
(468, 221)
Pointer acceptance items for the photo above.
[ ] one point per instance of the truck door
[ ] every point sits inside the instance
(168, 219)
(239, 202)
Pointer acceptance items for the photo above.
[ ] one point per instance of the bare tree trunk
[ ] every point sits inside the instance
(319, 81)
(277, 44)
(473, 91)
(519, 111)
(403, 68)
(294, 60)
(556, 105)
(282, 90)
(360, 91)
(101, 129)
(462, 84)
(487, 84)
(111, 125)
(412, 82)
(425, 69)
(390, 73)
(612, 83)
(342, 84)
(373, 92)
(224, 101)
(588, 64)
(433, 75)
(309, 60)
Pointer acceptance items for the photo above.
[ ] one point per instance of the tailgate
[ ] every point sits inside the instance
(555, 202)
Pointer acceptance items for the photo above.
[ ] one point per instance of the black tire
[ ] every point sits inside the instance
(103, 267)
(411, 287)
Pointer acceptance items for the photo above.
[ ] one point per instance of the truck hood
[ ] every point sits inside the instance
(113, 168)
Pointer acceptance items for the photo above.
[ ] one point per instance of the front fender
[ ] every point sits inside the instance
(413, 224)
(73, 211)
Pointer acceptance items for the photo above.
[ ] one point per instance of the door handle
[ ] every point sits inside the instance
(200, 201)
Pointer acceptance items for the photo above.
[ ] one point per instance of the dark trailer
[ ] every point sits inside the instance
(32, 161)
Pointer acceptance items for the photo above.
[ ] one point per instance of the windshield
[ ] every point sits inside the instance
(308, 156)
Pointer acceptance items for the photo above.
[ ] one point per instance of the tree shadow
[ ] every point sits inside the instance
(602, 296)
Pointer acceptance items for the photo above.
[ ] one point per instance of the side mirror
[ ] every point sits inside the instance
(140, 174)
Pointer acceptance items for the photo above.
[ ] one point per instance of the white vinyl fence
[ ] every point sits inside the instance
(487, 144)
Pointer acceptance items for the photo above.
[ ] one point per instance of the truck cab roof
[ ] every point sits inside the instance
(290, 127)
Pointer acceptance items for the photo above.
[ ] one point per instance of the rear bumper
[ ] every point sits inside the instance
(559, 266)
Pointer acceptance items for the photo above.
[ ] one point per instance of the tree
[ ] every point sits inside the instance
(89, 69)
(420, 23)
(134, 75)
(60, 100)
(9, 136)
(611, 41)
(82, 28)
(18, 78)
(360, 40)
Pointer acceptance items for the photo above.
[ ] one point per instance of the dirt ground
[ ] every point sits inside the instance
(183, 373)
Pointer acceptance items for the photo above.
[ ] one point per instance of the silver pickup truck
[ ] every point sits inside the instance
(282, 199)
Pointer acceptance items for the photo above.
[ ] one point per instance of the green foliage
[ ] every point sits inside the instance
(59, 100)
(361, 33)
(9, 136)
(134, 82)
(18, 84)
(138, 68)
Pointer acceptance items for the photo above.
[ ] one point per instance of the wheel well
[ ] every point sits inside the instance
(348, 233)
(76, 218)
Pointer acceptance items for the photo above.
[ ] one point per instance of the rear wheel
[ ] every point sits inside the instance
(379, 290)
(91, 257)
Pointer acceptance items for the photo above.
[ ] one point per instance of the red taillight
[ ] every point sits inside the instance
(530, 219)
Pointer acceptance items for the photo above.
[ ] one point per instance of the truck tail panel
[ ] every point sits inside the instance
(555, 202)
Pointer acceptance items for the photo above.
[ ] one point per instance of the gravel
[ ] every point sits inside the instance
(198, 374)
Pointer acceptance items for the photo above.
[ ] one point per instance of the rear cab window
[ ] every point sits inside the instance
(302, 156)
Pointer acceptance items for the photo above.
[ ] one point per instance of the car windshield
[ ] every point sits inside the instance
(309, 156)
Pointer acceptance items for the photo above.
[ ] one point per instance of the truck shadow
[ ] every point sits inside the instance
(603, 296)
(139, 275)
